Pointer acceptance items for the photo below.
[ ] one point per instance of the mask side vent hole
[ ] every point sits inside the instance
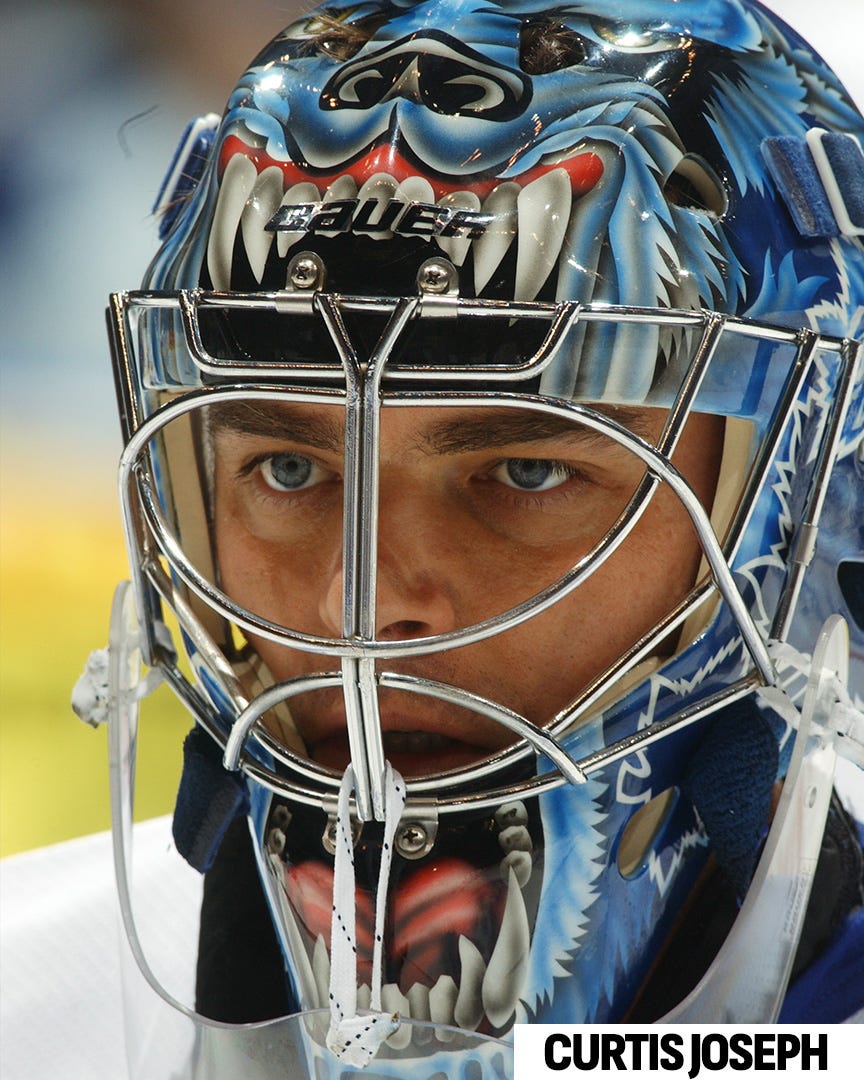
(693, 185)
(638, 836)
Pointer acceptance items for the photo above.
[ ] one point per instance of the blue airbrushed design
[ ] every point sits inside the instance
(614, 104)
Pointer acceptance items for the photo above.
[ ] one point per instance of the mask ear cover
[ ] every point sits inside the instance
(185, 171)
(729, 780)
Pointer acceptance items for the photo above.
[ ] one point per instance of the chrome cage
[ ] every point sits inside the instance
(364, 386)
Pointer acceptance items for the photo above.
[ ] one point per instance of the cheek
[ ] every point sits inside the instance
(240, 561)
(271, 579)
(552, 657)
(658, 566)
(277, 587)
(244, 568)
(261, 553)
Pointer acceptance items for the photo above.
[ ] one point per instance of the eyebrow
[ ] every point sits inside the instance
(496, 428)
(504, 428)
(271, 420)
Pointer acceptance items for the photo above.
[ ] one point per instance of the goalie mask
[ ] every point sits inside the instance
(493, 424)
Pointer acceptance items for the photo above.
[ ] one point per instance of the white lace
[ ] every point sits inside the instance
(93, 695)
(846, 719)
(356, 1039)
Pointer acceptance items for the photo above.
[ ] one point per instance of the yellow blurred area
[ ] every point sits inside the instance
(61, 556)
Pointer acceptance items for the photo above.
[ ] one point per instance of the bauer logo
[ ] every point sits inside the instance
(647, 1050)
(376, 218)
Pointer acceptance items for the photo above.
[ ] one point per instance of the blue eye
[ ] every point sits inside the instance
(531, 474)
(290, 472)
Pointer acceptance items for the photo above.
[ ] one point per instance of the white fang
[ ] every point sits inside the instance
(493, 245)
(237, 183)
(456, 247)
(442, 1003)
(299, 193)
(544, 214)
(260, 207)
(508, 964)
(468, 1011)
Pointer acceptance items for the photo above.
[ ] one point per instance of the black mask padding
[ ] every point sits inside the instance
(240, 975)
(729, 781)
(850, 578)
(208, 800)
(838, 885)
(837, 890)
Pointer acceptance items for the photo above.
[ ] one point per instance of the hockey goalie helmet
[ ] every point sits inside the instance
(491, 355)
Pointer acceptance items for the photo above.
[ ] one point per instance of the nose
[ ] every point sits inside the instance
(414, 595)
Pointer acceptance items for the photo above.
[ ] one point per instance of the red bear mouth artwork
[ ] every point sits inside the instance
(457, 932)
(265, 207)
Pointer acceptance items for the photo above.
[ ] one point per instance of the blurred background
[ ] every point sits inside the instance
(94, 97)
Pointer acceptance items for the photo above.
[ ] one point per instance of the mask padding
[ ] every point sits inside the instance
(208, 800)
(185, 171)
(821, 179)
(729, 780)
(793, 170)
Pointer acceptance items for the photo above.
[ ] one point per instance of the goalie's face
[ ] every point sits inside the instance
(478, 510)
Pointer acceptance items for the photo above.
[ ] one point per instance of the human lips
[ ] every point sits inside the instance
(412, 753)
(415, 745)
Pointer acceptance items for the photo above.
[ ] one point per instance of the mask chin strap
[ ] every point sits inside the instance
(356, 1039)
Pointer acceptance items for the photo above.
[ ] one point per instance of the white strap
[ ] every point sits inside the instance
(846, 719)
(356, 1039)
